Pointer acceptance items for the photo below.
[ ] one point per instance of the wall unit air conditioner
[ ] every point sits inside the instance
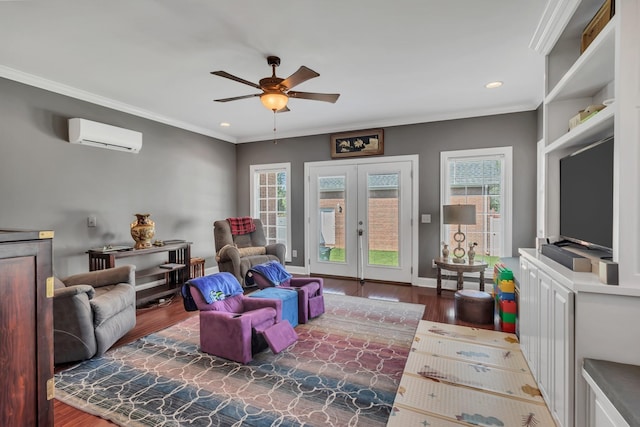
(86, 132)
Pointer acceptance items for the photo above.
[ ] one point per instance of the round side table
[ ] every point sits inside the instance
(449, 265)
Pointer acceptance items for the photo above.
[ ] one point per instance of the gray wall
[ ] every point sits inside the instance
(186, 180)
(426, 140)
(47, 183)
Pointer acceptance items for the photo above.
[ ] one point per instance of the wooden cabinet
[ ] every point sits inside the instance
(26, 328)
(171, 275)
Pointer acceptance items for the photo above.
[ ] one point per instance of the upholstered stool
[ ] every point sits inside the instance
(474, 306)
(289, 298)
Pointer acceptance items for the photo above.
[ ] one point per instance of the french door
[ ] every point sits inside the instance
(360, 220)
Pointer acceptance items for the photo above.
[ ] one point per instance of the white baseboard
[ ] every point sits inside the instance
(449, 283)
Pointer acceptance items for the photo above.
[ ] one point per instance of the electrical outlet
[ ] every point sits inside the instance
(91, 221)
(294, 253)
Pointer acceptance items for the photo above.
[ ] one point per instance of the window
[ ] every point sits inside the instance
(483, 178)
(270, 201)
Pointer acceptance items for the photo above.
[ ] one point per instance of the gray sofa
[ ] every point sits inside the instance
(91, 311)
(234, 252)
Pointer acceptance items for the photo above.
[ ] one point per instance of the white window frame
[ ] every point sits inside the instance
(254, 173)
(506, 186)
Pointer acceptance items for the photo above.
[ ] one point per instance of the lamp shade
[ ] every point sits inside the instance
(459, 214)
(274, 100)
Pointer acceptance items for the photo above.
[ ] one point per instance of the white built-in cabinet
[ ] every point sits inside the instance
(547, 337)
(602, 413)
(565, 316)
(609, 69)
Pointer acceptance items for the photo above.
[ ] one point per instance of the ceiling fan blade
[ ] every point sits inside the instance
(302, 75)
(326, 97)
(235, 78)
(235, 98)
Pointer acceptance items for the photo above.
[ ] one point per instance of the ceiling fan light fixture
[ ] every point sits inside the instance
(274, 101)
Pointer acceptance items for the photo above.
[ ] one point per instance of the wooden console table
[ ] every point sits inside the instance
(460, 268)
(179, 258)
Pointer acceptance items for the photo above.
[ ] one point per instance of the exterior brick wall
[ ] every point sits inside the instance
(383, 232)
(383, 224)
(474, 233)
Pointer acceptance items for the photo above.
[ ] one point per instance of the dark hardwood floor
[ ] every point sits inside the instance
(157, 317)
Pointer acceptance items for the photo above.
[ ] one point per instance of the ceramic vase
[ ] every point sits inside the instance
(471, 253)
(445, 251)
(142, 230)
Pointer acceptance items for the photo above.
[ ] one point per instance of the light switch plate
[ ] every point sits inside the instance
(91, 221)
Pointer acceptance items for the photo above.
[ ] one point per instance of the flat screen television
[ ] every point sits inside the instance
(586, 196)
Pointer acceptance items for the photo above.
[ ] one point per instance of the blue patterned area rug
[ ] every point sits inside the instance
(343, 371)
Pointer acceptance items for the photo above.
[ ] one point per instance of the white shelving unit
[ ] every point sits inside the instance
(575, 81)
(589, 316)
(609, 69)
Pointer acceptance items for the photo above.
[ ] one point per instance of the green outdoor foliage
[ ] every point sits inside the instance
(391, 257)
(375, 257)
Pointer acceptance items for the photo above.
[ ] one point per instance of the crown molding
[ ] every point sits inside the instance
(554, 19)
(50, 85)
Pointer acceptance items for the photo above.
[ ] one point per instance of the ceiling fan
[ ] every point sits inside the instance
(276, 91)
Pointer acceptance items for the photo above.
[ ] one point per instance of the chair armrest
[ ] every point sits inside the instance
(230, 253)
(109, 276)
(70, 291)
(277, 249)
(110, 303)
(73, 333)
(302, 282)
(251, 303)
(226, 324)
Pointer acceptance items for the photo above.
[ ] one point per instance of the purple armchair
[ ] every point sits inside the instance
(233, 325)
(232, 328)
(309, 289)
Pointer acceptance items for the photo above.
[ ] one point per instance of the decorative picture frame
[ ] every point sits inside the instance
(369, 142)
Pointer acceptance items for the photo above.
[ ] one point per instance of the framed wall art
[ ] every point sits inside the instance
(368, 142)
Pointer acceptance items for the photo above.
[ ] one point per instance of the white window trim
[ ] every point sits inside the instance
(507, 185)
(253, 206)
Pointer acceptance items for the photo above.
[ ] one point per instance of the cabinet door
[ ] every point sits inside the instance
(26, 332)
(545, 364)
(562, 335)
(524, 319)
(534, 317)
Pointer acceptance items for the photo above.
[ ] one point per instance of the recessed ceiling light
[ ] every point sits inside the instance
(225, 124)
(493, 85)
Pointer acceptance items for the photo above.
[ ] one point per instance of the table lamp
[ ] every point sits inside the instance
(459, 214)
